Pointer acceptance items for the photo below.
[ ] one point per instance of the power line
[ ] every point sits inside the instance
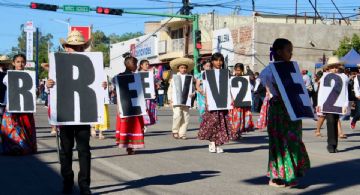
(339, 12)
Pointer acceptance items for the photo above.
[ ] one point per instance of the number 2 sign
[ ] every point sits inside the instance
(333, 93)
(241, 91)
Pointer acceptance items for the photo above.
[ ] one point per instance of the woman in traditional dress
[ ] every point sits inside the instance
(288, 159)
(18, 134)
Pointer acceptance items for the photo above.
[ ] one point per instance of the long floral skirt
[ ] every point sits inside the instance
(106, 124)
(288, 158)
(130, 132)
(263, 118)
(151, 110)
(18, 134)
(215, 127)
(241, 121)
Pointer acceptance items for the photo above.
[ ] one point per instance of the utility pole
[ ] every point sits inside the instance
(37, 59)
(296, 6)
(315, 12)
(186, 11)
(253, 36)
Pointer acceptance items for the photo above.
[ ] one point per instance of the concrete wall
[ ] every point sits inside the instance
(324, 37)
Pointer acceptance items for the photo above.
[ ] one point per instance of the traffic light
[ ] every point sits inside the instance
(43, 6)
(198, 39)
(110, 11)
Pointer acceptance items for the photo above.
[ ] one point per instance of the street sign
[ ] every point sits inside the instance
(76, 8)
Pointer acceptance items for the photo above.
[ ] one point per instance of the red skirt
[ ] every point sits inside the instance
(130, 132)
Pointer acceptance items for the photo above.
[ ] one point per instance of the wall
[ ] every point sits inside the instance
(324, 37)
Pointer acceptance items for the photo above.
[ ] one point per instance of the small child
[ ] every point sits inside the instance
(181, 112)
(215, 125)
(130, 130)
(240, 117)
(288, 159)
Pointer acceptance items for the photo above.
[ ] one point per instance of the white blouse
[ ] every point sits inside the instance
(267, 79)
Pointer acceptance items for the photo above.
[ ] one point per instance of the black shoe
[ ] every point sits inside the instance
(67, 189)
(85, 191)
(332, 149)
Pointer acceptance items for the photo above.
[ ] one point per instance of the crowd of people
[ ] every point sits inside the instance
(287, 160)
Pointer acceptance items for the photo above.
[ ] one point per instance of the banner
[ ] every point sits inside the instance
(148, 84)
(292, 90)
(333, 93)
(21, 94)
(241, 91)
(77, 96)
(130, 96)
(217, 89)
(182, 88)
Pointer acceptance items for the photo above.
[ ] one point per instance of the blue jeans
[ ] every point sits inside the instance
(161, 100)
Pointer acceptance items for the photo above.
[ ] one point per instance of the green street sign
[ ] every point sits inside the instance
(76, 8)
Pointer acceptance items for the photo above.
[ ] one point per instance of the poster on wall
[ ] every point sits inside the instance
(223, 43)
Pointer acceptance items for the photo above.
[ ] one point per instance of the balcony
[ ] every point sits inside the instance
(177, 45)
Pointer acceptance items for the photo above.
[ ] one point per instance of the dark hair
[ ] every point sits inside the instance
(142, 62)
(129, 58)
(256, 73)
(205, 62)
(19, 55)
(239, 65)
(278, 44)
(218, 56)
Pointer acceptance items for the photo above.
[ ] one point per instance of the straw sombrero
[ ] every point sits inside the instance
(75, 38)
(174, 64)
(334, 61)
(5, 61)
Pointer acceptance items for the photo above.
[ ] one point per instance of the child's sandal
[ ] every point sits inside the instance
(175, 135)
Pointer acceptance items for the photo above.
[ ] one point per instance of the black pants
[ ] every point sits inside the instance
(332, 129)
(357, 111)
(80, 133)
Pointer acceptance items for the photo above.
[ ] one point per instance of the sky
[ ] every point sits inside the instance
(14, 13)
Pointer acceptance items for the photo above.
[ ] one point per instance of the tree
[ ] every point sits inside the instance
(44, 45)
(101, 42)
(346, 44)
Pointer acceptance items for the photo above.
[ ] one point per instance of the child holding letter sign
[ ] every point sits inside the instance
(129, 130)
(18, 133)
(288, 159)
(240, 117)
(215, 124)
(180, 106)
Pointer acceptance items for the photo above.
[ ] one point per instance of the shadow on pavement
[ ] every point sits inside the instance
(331, 177)
(28, 175)
(171, 179)
(240, 150)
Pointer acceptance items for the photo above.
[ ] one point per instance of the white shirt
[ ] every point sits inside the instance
(257, 83)
(267, 79)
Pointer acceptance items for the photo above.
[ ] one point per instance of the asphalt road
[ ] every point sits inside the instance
(169, 166)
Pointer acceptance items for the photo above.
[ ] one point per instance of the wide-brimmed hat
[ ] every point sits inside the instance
(174, 64)
(75, 38)
(334, 61)
(5, 61)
